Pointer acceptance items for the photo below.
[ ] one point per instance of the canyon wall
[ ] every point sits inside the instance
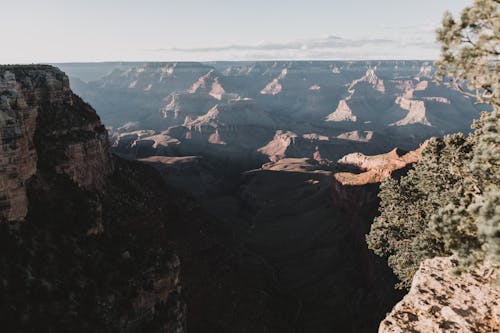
(87, 244)
(44, 125)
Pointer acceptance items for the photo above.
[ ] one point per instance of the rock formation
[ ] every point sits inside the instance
(274, 87)
(440, 301)
(371, 78)
(44, 123)
(416, 112)
(342, 113)
(375, 168)
(335, 97)
(276, 148)
(86, 241)
(360, 136)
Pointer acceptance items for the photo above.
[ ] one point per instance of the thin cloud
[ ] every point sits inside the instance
(330, 47)
(306, 44)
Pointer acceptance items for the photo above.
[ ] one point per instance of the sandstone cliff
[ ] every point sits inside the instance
(87, 245)
(43, 123)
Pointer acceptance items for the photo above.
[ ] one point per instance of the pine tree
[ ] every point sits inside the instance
(450, 202)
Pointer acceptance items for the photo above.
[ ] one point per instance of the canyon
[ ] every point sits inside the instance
(207, 197)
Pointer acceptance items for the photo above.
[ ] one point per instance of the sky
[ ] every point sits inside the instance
(48, 31)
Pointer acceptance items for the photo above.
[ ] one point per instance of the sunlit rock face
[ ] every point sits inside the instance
(358, 185)
(372, 79)
(276, 148)
(342, 113)
(416, 112)
(43, 124)
(441, 301)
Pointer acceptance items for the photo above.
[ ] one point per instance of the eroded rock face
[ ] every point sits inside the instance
(275, 87)
(371, 78)
(18, 156)
(342, 113)
(86, 241)
(416, 112)
(43, 123)
(375, 168)
(440, 301)
(276, 148)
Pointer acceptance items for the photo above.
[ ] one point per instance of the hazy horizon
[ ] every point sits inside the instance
(167, 31)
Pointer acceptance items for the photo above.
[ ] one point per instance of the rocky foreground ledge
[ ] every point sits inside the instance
(440, 301)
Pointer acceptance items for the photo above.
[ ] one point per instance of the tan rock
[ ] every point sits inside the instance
(440, 301)
(70, 138)
(376, 168)
(276, 148)
(342, 113)
(272, 88)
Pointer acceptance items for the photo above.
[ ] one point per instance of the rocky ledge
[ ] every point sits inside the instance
(440, 301)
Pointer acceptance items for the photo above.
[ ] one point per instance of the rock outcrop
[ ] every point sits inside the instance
(440, 301)
(375, 168)
(372, 79)
(416, 112)
(275, 87)
(342, 113)
(276, 148)
(43, 123)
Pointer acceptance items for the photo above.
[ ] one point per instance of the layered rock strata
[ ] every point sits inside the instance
(43, 124)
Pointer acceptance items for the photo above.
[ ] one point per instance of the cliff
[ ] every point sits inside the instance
(44, 125)
(87, 243)
(440, 301)
(355, 193)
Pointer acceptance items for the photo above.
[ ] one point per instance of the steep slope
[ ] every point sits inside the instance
(87, 243)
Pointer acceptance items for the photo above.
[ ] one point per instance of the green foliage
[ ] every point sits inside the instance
(449, 204)
(470, 51)
(402, 232)
(470, 227)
